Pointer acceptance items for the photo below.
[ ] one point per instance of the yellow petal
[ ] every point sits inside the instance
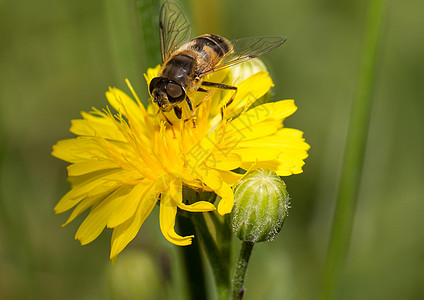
(285, 165)
(91, 165)
(266, 164)
(230, 177)
(210, 177)
(268, 111)
(287, 171)
(75, 150)
(92, 184)
(97, 127)
(175, 190)
(290, 164)
(167, 213)
(67, 202)
(200, 151)
(85, 204)
(222, 160)
(96, 220)
(292, 151)
(175, 193)
(250, 132)
(277, 110)
(249, 91)
(199, 206)
(123, 104)
(170, 145)
(257, 154)
(140, 193)
(286, 138)
(93, 188)
(125, 233)
(225, 205)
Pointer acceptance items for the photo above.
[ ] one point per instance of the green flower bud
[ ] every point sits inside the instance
(261, 204)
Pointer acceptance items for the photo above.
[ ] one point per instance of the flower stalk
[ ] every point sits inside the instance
(217, 258)
(192, 260)
(219, 263)
(237, 290)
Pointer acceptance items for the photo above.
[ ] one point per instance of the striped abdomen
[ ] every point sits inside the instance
(211, 49)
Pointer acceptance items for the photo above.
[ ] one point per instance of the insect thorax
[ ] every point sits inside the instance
(180, 67)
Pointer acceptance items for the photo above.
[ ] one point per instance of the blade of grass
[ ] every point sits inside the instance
(121, 24)
(148, 14)
(355, 151)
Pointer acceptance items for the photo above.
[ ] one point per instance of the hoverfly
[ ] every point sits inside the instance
(186, 62)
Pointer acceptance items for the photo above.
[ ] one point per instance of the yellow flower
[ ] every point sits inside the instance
(123, 163)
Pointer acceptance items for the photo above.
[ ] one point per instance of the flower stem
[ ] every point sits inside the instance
(355, 151)
(226, 238)
(192, 261)
(219, 264)
(240, 271)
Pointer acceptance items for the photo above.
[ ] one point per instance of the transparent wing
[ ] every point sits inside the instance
(175, 28)
(245, 49)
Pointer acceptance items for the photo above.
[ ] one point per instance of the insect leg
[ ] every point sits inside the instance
(198, 104)
(178, 111)
(223, 87)
(206, 98)
(169, 122)
(190, 105)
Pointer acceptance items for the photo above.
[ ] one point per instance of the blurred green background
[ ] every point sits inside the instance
(57, 58)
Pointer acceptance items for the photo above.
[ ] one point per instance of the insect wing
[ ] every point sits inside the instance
(175, 28)
(246, 49)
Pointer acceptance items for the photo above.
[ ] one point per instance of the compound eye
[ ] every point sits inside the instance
(174, 91)
(153, 83)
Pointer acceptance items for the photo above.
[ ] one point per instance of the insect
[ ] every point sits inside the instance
(186, 62)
